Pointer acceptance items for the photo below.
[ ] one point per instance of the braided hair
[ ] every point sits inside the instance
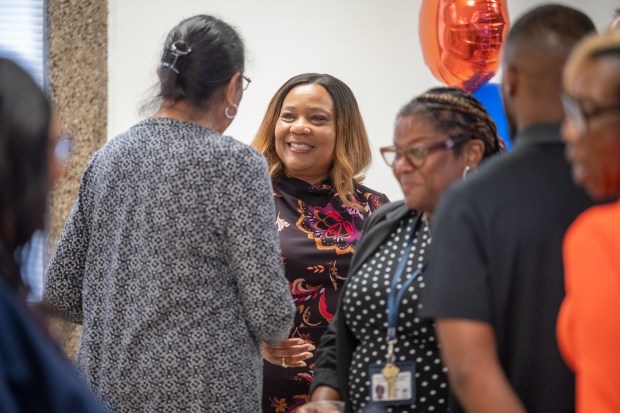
(458, 114)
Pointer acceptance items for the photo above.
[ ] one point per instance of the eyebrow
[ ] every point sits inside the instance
(312, 108)
(421, 139)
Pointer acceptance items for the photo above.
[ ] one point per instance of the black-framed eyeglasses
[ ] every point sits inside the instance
(579, 117)
(416, 155)
(245, 82)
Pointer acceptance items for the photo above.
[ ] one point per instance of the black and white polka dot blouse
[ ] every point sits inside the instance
(365, 312)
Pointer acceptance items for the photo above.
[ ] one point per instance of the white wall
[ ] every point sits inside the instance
(371, 45)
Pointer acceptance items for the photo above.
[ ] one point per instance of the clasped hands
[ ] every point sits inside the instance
(292, 352)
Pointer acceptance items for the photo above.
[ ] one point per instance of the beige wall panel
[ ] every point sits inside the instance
(78, 56)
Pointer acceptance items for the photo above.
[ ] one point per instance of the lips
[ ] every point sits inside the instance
(299, 147)
(409, 184)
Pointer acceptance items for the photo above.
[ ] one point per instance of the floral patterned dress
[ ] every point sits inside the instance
(317, 239)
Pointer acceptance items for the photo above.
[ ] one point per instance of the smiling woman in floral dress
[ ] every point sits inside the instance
(315, 143)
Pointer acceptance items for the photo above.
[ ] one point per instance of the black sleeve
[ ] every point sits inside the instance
(326, 369)
(457, 282)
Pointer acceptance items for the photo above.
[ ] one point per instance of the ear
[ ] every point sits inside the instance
(510, 82)
(473, 152)
(232, 88)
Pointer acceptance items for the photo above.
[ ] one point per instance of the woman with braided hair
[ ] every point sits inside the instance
(377, 352)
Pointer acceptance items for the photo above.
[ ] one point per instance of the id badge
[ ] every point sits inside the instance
(403, 391)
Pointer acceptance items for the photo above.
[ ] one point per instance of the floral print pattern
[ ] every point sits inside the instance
(329, 228)
(317, 239)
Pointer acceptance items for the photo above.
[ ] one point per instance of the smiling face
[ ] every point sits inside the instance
(423, 186)
(594, 148)
(305, 133)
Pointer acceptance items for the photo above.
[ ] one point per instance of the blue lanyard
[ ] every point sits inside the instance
(395, 296)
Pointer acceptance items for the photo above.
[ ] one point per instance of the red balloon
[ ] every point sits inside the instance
(462, 39)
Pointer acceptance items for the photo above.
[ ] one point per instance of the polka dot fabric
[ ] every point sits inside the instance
(365, 312)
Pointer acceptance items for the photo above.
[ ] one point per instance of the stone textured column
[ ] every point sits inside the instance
(78, 79)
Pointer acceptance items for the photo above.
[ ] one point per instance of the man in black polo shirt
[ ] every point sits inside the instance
(495, 276)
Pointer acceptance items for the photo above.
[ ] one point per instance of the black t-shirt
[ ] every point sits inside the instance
(496, 258)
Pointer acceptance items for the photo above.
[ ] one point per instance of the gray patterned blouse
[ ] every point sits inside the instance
(169, 260)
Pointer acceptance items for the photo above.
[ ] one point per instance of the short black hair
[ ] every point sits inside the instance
(565, 24)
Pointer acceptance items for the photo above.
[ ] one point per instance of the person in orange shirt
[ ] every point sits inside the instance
(589, 320)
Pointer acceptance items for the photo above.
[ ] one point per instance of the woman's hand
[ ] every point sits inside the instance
(323, 406)
(322, 393)
(290, 353)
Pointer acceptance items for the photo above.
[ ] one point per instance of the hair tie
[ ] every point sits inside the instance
(172, 54)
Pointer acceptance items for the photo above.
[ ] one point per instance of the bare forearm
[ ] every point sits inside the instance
(469, 350)
(324, 393)
(485, 391)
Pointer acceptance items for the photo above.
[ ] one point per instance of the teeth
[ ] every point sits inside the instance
(300, 146)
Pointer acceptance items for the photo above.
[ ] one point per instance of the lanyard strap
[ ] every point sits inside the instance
(395, 295)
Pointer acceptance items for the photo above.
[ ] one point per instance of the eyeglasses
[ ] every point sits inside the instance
(245, 82)
(417, 154)
(580, 118)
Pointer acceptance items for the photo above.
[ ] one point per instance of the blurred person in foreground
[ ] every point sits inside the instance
(315, 142)
(496, 279)
(169, 258)
(32, 256)
(589, 320)
(35, 376)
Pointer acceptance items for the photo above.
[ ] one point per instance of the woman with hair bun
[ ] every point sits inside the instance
(169, 258)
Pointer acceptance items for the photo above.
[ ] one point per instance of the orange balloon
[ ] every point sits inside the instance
(462, 39)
